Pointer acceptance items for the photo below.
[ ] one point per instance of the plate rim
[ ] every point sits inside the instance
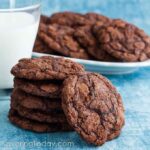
(100, 63)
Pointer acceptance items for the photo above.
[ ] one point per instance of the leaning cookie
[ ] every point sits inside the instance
(124, 41)
(93, 107)
(46, 68)
(36, 126)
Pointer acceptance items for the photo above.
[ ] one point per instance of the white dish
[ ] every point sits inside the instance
(105, 67)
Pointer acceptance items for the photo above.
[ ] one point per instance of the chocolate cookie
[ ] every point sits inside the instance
(61, 40)
(69, 19)
(93, 107)
(40, 116)
(86, 38)
(94, 17)
(45, 68)
(35, 102)
(41, 47)
(36, 126)
(124, 41)
(44, 19)
(44, 88)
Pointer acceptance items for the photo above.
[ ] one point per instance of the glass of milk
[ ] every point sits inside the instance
(19, 21)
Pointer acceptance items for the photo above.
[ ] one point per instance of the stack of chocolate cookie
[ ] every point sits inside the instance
(92, 36)
(36, 98)
(56, 94)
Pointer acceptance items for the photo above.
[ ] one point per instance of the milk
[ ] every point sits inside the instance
(17, 35)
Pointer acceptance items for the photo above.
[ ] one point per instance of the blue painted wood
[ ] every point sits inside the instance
(134, 88)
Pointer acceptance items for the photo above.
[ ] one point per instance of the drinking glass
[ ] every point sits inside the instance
(19, 21)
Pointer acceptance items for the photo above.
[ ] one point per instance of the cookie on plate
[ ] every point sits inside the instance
(93, 107)
(50, 89)
(35, 102)
(46, 68)
(41, 47)
(36, 126)
(94, 17)
(44, 19)
(84, 35)
(61, 40)
(69, 19)
(124, 41)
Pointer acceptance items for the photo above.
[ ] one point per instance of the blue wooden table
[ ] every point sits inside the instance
(134, 88)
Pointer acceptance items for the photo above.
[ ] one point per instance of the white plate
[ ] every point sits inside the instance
(105, 67)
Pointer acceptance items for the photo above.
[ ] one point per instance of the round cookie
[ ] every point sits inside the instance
(36, 126)
(41, 47)
(94, 17)
(46, 68)
(124, 41)
(86, 38)
(44, 19)
(69, 19)
(40, 116)
(35, 102)
(61, 40)
(48, 88)
(93, 107)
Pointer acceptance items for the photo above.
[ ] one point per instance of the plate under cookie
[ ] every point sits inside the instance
(113, 68)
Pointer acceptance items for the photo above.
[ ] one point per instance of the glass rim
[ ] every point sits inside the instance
(26, 8)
